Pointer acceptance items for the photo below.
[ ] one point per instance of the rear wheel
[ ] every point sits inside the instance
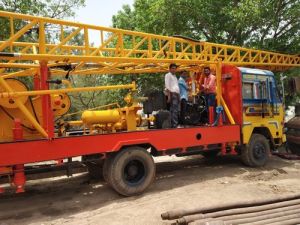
(257, 152)
(106, 167)
(131, 171)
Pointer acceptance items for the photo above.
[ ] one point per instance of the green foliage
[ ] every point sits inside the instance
(272, 25)
(263, 24)
(50, 8)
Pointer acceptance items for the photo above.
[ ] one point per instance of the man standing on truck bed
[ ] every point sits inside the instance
(172, 92)
(183, 96)
(209, 88)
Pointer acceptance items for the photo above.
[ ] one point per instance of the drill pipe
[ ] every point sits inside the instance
(258, 220)
(287, 222)
(214, 222)
(274, 220)
(175, 214)
(243, 212)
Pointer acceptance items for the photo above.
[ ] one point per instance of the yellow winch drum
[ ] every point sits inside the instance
(101, 116)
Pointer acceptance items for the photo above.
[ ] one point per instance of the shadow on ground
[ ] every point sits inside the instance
(54, 198)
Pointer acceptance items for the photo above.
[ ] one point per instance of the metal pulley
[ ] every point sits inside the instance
(61, 104)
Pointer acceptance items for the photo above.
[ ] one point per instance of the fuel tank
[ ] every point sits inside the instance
(101, 116)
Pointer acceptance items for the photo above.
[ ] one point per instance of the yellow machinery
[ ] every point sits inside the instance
(141, 53)
(31, 113)
(111, 120)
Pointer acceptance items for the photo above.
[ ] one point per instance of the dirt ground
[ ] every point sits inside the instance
(180, 183)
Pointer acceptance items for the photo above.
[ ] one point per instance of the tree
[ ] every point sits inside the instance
(271, 25)
(50, 8)
(263, 24)
(46, 8)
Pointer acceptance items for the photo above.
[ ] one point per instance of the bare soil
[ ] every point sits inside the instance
(180, 183)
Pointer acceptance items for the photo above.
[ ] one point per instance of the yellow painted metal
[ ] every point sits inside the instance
(111, 120)
(23, 109)
(108, 106)
(274, 123)
(75, 123)
(25, 49)
(18, 65)
(227, 111)
(42, 38)
(15, 85)
(141, 49)
(140, 53)
(13, 94)
(219, 82)
(101, 116)
(17, 35)
(60, 104)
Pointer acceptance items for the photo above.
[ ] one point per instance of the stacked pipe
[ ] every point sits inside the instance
(278, 211)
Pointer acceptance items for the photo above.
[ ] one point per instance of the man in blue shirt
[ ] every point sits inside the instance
(183, 89)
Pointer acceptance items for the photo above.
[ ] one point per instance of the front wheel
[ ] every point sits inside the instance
(131, 171)
(256, 152)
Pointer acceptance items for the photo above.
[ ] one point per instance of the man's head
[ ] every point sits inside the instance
(184, 74)
(172, 68)
(206, 71)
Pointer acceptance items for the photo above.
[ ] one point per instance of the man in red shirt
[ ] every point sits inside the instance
(209, 88)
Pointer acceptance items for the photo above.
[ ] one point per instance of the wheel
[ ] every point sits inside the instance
(94, 165)
(106, 167)
(256, 153)
(294, 148)
(131, 171)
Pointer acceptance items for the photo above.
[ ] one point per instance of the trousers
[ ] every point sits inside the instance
(174, 109)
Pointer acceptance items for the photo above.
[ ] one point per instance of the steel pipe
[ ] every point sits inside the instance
(243, 212)
(175, 214)
(287, 222)
(256, 220)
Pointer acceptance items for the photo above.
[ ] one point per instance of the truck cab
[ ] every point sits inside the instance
(262, 106)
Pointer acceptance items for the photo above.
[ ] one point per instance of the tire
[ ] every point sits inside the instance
(106, 167)
(131, 171)
(294, 148)
(256, 153)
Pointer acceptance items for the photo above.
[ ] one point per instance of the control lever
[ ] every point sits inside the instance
(57, 81)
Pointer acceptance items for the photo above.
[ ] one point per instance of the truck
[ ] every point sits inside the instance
(35, 94)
